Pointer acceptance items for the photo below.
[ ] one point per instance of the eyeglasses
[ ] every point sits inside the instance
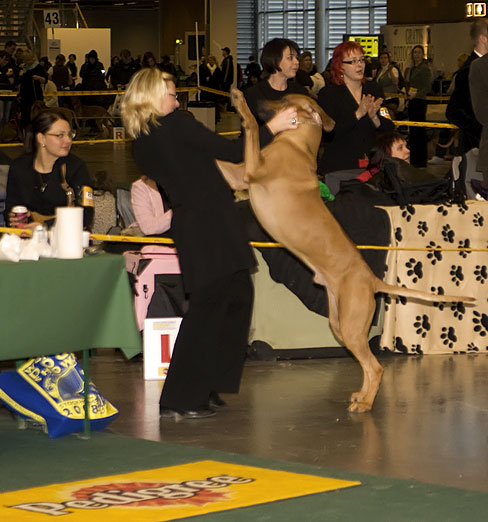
(71, 135)
(354, 61)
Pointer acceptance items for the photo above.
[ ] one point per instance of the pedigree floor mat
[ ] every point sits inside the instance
(116, 478)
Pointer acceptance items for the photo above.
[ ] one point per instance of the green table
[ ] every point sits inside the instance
(66, 305)
(53, 306)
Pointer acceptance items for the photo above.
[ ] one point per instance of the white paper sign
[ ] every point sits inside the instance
(159, 340)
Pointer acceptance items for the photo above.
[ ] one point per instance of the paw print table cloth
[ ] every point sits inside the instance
(419, 327)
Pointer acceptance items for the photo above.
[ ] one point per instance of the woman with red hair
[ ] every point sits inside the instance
(354, 104)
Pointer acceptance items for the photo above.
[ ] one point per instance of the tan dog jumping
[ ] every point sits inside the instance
(284, 194)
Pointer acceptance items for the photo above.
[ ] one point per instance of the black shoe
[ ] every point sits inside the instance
(478, 187)
(197, 413)
(214, 401)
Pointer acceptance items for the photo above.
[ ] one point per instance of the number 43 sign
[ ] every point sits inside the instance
(52, 18)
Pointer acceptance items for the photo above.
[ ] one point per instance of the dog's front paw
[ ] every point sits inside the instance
(237, 98)
(359, 407)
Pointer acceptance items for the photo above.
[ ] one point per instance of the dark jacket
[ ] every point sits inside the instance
(257, 95)
(30, 89)
(227, 73)
(351, 139)
(61, 76)
(460, 112)
(478, 83)
(24, 186)
(122, 72)
(179, 154)
(92, 76)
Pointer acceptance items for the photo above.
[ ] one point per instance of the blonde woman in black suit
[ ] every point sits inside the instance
(179, 154)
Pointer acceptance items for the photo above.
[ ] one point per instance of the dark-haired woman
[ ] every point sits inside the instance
(149, 60)
(280, 65)
(353, 103)
(35, 178)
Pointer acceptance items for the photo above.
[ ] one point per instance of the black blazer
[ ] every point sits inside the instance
(351, 138)
(459, 110)
(478, 84)
(179, 154)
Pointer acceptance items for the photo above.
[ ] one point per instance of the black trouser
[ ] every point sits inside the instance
(211, 345)
(417, 111)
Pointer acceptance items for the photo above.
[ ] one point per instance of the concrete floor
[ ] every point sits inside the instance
(429, 421)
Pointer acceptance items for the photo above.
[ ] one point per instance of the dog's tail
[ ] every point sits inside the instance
(385, 288)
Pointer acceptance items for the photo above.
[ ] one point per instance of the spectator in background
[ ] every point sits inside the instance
(19, 61)
(227, 68)
(92, 73)
(44, 61)
(73, 69)
(6, 84)
(124, 70)
(149, 60)
(252, 72)
(166, 65)
(368, 67)
(210, 76)
(353, 103)
(60, 74)
(9, 48)
(459, 109)
(34, 76)
(387, 76)
(308, 76)
(280, 65)
(419, 82)
(478, 84)
(152, 215)
(108, 76)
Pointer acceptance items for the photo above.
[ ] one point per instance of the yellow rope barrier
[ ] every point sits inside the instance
(259, 244)
(429, 98)
(434, 125)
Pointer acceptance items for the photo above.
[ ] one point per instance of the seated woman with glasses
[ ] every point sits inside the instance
(354, 104)
(41, 178)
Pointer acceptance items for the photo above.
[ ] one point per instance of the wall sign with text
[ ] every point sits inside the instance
(52, 18)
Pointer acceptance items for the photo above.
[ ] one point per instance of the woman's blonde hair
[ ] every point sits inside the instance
(141, 104)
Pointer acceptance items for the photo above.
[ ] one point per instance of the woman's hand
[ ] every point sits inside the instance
(15, 222)
(364, 106)
(283, 120)
(373, 111)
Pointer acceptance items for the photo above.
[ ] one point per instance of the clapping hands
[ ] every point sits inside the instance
(370, 106)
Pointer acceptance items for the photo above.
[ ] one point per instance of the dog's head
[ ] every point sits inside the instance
(309, 111)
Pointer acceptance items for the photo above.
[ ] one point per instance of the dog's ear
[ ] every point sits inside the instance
(234, 174)
(268, 108)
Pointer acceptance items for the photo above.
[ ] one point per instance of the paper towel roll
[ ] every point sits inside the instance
(69, 232)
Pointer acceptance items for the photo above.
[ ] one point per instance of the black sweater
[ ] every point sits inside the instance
(351, 139)
(179, 154)
(24, 186)
(258, 94)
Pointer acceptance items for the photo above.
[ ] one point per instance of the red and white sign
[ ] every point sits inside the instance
(159, 340)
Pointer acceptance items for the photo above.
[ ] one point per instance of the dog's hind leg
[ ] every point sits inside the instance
(252, 149)
(334, 316)
(355, 320)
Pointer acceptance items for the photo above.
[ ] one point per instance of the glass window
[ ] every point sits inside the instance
(258, 21)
